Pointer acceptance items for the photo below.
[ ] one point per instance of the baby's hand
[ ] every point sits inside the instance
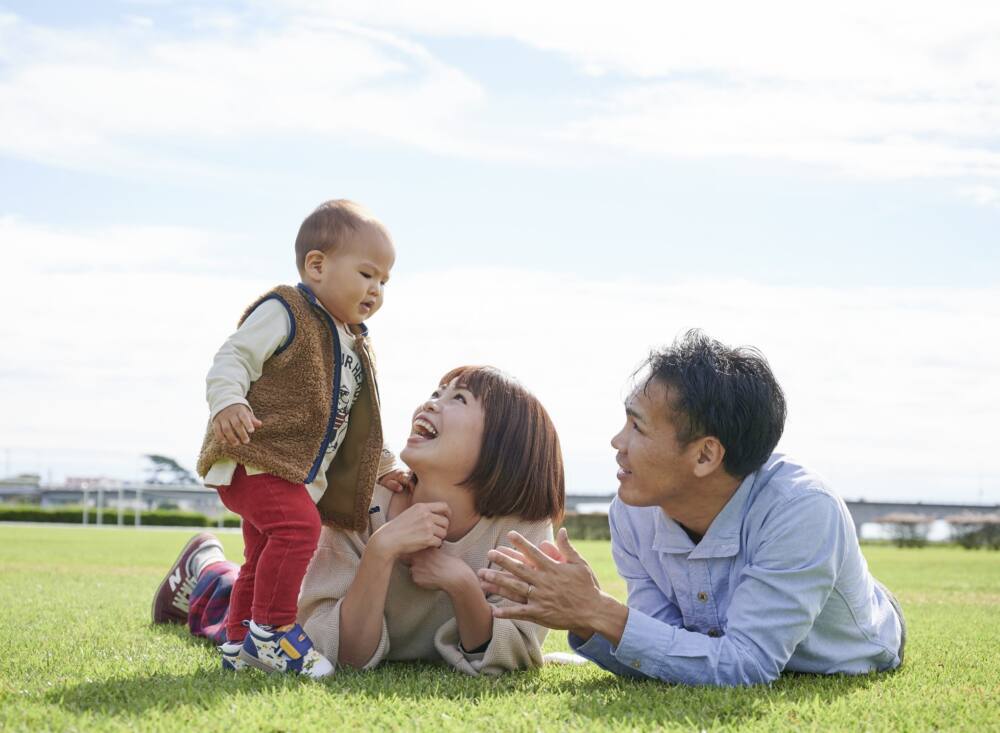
(398, 480)
(235, 424)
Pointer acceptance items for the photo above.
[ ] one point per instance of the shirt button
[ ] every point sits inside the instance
(636, 663)
(714, 633)
(703, 596)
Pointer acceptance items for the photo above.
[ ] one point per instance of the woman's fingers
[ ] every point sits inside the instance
(438, 507)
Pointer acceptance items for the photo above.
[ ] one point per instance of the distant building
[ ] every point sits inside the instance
(91, 483)
(23, 486)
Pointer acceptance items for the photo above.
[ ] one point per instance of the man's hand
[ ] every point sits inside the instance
(434, 570)
(554, 586)
(398, 480)
(235, 424)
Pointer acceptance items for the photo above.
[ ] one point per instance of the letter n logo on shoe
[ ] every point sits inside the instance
(175, 579)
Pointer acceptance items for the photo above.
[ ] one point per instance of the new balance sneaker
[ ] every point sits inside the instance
(231, 661)
(284, 649)
(173, 597)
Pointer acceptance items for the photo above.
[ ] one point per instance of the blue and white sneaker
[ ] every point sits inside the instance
(284, 649)
(231, 661)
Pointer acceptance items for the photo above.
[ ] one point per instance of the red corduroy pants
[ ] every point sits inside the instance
(280, 530)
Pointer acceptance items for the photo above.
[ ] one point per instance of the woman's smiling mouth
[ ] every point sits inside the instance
(423, 428)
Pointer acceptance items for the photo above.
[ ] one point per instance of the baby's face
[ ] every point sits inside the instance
(350, 281)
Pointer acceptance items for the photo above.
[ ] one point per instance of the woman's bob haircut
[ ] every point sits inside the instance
(520, 467)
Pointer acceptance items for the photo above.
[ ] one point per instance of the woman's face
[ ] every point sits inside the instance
(446, 434)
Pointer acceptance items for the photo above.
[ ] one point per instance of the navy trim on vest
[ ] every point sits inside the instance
(291, 320)
(331, 421)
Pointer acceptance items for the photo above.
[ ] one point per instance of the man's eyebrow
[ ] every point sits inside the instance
(632, 413)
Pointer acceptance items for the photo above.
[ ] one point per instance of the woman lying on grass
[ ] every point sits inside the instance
(486, 460)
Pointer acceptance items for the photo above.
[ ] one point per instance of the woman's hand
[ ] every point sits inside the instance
(434, 570)
(421, 526)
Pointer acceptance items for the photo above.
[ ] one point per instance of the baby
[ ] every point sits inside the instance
(295, 438)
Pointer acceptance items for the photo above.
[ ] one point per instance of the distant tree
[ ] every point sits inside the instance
(165, 470)
(906, 530)
(976, 531)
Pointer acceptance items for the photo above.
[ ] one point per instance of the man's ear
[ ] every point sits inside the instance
(708, 457)
(312, 265)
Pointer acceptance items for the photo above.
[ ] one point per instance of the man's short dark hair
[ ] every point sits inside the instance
(724, 392)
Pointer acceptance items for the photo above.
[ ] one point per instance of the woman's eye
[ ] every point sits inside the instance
(461, 398)
(366, 276)
(636, 427)
(435, 394)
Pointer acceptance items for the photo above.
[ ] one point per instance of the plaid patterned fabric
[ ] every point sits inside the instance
(210, 601)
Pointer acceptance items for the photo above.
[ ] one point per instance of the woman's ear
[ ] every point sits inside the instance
(710, 453)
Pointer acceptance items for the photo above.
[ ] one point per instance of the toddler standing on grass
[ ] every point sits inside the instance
(295, 438)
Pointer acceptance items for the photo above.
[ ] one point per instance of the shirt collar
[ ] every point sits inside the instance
(722, 538)
(355, 329)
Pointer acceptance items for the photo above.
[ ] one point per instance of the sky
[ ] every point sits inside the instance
(568, 186)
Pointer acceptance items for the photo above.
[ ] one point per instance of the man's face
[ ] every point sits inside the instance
(653, 468)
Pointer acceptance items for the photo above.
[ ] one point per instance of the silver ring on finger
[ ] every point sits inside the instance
(527, 595)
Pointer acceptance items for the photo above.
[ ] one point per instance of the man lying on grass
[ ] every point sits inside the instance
(739, 563)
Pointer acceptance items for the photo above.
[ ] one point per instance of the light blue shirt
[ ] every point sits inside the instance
(777, 583)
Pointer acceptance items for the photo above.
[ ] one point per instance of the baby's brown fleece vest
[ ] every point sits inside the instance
(296, 400)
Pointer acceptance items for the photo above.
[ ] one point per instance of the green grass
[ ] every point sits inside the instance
(79, 653)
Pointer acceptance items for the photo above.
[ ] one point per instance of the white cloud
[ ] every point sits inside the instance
(893, 393)
(847, 130)
(884, 89)
(38, 250)
(125, 96)
(872, 89)
(895, 46)
(982, 195)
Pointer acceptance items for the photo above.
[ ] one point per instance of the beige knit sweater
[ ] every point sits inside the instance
(418, 623)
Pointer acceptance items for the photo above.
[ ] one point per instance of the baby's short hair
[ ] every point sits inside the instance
(327, 226)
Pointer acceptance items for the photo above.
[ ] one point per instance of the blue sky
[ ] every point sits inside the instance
(824, 184)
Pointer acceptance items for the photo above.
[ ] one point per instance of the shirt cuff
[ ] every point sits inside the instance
(478, 653)
(644, 642)
(225, 402)
(599, 651)
(596, 648)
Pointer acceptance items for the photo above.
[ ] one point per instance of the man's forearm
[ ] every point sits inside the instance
(607, 618)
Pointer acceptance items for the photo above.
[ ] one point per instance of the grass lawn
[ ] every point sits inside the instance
(81, 654)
